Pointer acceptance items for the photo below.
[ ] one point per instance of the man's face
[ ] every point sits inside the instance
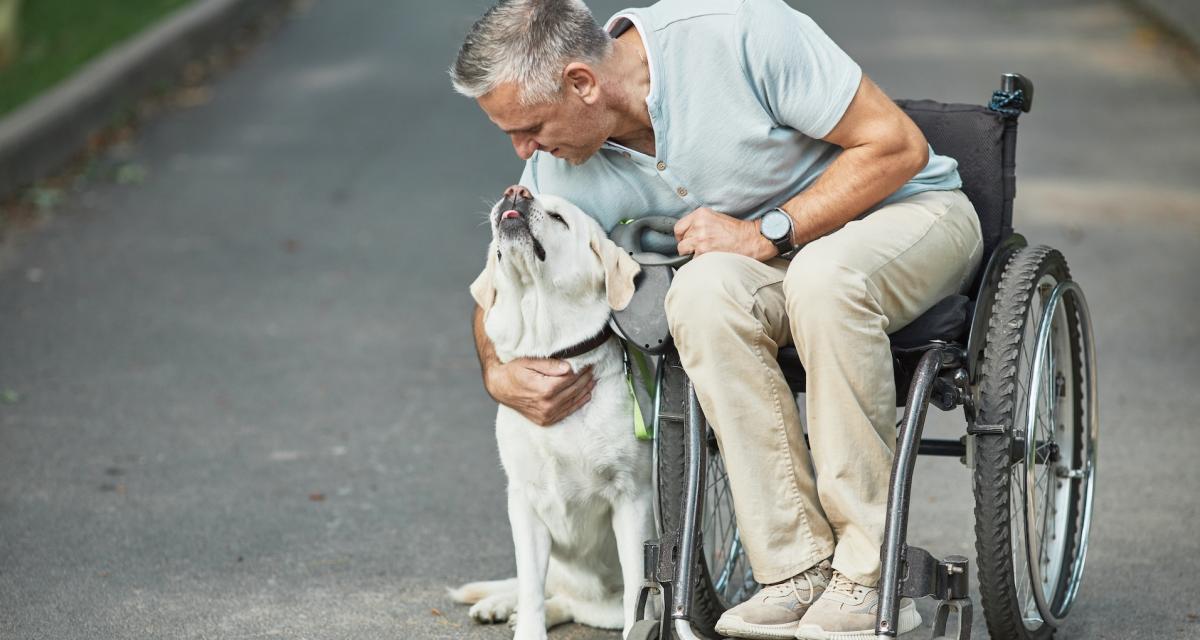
(569, 128)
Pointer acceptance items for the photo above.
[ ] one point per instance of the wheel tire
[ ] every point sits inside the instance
(672, 454)
(1000, 397)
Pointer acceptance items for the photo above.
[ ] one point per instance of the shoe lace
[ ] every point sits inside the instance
(841, 584)
(812, 588)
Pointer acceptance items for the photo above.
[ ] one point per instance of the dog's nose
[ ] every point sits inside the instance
(517, 191)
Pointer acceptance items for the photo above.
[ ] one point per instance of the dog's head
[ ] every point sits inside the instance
(546, 243)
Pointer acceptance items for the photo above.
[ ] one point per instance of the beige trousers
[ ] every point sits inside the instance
(836, 301)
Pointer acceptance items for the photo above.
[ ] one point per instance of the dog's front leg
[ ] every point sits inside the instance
(531, 542)
(633, 524)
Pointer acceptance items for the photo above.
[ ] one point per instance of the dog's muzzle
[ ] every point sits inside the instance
(514, 217)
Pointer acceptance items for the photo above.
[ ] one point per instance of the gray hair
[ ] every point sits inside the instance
(528, 42)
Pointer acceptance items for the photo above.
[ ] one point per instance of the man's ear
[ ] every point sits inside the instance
(483, 289)
(579, 78)
(619, 271)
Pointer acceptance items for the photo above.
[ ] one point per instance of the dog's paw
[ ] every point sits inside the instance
(493, 609)
(557, 613)
(526, 632)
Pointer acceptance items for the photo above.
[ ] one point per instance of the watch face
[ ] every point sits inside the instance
(776, 225)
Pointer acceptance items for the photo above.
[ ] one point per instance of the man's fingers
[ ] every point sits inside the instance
(582, 397)
(558, 386)
(684, 247)
(548, 366)
(683, 225)
(564, 391)
(578, 403)
(690, 245)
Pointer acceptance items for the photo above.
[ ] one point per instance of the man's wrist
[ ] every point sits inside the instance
(794, 237)
(491, 369)
(779, 228)
(764, 248)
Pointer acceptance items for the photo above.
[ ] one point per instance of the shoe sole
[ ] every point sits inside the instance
(735, 627)
(909, 620)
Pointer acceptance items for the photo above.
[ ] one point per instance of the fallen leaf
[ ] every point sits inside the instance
(131, 174)
(192, 97)
(316, 497)
(436, 612)
(45, 198)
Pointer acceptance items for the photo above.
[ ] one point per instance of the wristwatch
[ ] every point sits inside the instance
(777, 227)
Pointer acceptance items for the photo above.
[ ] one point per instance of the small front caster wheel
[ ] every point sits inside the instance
(643, 630)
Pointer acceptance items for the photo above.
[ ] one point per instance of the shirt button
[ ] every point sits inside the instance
(662, 166)
(626, 154)
(681, 191)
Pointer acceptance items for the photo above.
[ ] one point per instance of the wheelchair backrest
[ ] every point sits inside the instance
(983, 141)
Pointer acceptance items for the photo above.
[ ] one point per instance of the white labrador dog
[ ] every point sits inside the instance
(579, 492)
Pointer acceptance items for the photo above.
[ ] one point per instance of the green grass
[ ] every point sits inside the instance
(59, 36)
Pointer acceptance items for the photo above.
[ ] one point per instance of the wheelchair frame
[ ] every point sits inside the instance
(945, 376)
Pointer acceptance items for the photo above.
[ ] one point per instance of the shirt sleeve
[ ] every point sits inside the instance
(804, 80)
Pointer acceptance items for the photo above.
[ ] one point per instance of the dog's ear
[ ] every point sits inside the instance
(483, 289)
(619, 271)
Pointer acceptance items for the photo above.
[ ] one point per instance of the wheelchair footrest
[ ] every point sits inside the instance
(925, 575)
(946, 580)
(961, 607)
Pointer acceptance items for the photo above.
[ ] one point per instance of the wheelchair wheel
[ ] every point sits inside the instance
(722, 576)
(1033, 485)
(728, 566)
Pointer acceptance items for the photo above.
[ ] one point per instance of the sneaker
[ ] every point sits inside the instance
(775, 611)
(847, 610)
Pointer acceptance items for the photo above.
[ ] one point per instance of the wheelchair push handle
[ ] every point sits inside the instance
(629, 236)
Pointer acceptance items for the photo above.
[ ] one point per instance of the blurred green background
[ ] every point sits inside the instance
(44, 41)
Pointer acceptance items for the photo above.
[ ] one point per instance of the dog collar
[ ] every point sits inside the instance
(585, 346)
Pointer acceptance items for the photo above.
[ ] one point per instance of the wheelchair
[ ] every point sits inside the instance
(1017, 356)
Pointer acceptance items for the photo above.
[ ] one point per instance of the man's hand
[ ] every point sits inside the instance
(705, 230)
(544, 391)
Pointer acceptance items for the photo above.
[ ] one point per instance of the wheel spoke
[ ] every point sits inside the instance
(730, 573)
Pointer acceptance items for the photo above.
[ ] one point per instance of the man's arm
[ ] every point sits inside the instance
(483, 347)
(543, 390)
(882, 150)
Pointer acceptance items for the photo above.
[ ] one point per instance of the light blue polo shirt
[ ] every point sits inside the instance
(741, 91)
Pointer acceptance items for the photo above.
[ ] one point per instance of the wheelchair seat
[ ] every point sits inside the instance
(946, 321)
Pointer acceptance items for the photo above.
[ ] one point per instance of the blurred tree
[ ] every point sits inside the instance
(8, 31)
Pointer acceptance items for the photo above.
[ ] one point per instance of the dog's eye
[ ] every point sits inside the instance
(558, 218)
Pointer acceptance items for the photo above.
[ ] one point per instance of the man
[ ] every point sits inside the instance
(818, 215)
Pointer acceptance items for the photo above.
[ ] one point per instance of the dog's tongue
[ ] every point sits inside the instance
(511, 213)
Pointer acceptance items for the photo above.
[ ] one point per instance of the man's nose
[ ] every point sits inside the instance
(525, 147)
(516, 192)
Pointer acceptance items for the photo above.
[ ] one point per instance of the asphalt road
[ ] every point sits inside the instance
(238, 398)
